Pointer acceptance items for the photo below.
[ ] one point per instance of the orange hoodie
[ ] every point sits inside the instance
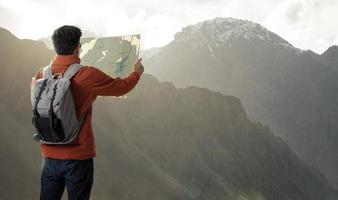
(86, 85)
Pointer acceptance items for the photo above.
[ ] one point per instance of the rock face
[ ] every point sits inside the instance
(161, 142)
(225, 31)
(291, 90)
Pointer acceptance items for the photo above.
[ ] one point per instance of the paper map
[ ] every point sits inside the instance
(113, 55)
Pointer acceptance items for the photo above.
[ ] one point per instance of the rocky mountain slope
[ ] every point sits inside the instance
(330, 57)
(291, 90)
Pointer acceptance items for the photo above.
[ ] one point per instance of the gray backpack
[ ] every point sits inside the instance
(54, 114)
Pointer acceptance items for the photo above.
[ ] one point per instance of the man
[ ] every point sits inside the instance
(71, 165)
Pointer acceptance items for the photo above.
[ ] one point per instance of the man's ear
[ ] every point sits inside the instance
(77, 50)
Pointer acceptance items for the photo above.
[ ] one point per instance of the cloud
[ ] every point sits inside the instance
(308, 24)
(294, 11)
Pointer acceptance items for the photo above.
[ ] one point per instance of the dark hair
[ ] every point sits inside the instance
(66, 39)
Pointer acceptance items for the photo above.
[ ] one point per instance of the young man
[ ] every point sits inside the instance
(71, 165)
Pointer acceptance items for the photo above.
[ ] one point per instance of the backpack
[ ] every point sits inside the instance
(54, 113)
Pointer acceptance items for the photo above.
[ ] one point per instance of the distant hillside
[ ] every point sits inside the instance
(330, 57)
(291, 90)
(160, 143)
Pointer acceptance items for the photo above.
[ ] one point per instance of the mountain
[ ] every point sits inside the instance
(291, 90)
(330, 57)
(225, 32)
(161, 142)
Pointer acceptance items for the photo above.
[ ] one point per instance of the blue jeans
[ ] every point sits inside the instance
(76, 175)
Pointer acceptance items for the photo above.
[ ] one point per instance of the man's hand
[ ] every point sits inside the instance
(138, 67)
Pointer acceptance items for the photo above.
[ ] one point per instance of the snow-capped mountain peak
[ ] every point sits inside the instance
(222, 31)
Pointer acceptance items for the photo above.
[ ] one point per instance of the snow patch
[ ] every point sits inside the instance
(221, 31)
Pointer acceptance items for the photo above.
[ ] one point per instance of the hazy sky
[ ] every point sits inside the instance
(307, 24)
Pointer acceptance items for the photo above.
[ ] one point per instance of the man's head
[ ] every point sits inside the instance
(66, 40)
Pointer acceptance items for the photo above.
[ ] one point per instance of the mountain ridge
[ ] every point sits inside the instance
(224, 30)
(289, 89)
(330, 57)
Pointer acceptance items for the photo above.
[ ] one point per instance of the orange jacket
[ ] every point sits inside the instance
(86, 85)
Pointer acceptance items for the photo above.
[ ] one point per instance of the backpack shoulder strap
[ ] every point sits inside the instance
(72, 70)
(47, 72)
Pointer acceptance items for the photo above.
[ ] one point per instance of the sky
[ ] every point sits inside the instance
(307, 24)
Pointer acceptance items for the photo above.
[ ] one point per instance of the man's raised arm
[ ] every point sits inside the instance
(102, 84)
